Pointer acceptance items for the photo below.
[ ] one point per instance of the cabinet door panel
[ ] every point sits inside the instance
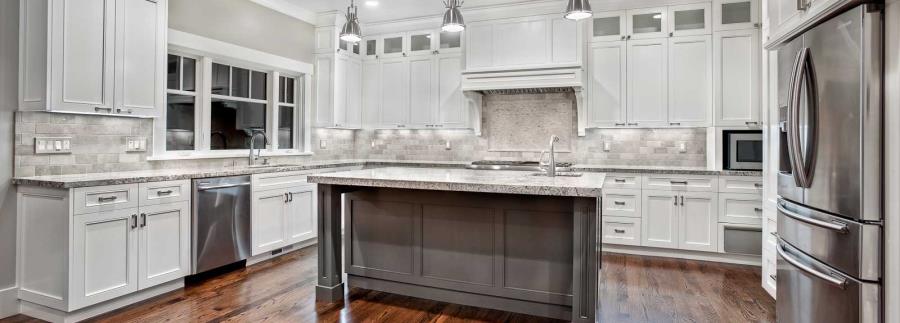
(648, 23)
(698, 222)
(738, 14)
(395, 94)
(105, 257)
(609, 26)
(268, 221)
(164, 243)
(736, 67)
(659, 225)
(565, 41)
(607, 97)
(647, 82)
(451, 105)
(479, 46)
(301, 214)
(139, 51)
(324, 91)
(690, 19)
(85, 37)
(521, 42)
(341, 91)
(690, 81)
(351, 117)
(421, 95)
(371, 91)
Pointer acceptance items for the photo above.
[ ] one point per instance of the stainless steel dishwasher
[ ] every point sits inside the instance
(221, 222)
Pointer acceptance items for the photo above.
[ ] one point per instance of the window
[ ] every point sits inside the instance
(181, 103)
(238, 103)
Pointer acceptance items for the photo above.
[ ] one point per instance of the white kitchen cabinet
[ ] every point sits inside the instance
(736, 62)
(338, 93)
(659, 225)
(648, 82)
(395, 104)
(164, 243)
(740, 208)
(698, 221)
(325, 84)
(736, 14)
(523, 43)
(394, 45)
(621, 230)
(621, 203)
(608, 69)
(690, 20)
(268, 224)
(93, 56)
(351, 115)
(421, 91)
(371, 91)
(104, 256)
(690, 81)
(301, 213)
(609, 26)
(452, 109)
(648, 23)
(421, 43)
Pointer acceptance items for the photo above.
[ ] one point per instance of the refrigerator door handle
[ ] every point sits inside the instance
(842, 228)
(793, 137)
(839, 282)
(808, 74)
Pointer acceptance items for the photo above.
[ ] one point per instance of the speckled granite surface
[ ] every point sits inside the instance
(467, 180)
(115, 178)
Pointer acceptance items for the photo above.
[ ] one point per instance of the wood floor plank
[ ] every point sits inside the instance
(632, 289)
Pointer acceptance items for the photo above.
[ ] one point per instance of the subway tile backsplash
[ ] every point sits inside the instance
(99, 145)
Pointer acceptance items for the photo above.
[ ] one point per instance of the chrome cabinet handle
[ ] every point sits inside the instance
(620, 124)
(751, 123)
(620, 231)
(98, 109)
(757, 209)
(623, 37)
(206, 188)
(758, 185)
(104, 199)
(143, 220)
(620, 180)
(134, 221)
(619, 203)
(842, 228)
(682, 200)
(676, 200)
(674, 123)
(839, 282)
(167, 192)
(285, 197)
(292, 197)
(773, 276)
(678, 182)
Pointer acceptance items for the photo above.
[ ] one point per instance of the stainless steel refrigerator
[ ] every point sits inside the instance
(830, 180)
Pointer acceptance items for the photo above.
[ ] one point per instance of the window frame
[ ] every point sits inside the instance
(197, 93)
(273, 66)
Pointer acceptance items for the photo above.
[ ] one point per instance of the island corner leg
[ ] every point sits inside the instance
(330, 285)
(586, 269)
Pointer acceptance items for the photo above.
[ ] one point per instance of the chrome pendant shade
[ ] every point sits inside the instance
(453, 20)
(351, 31)
(579, 9)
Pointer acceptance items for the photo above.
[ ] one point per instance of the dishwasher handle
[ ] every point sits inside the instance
(216, 187)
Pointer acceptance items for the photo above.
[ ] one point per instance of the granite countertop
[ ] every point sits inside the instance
(130, 177)
(467, 180)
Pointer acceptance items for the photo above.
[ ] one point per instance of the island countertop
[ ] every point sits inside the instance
(466, 180)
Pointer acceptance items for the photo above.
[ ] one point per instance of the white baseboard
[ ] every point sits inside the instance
(9, 302)
(56, 316)
(684, 254)
(284, 250)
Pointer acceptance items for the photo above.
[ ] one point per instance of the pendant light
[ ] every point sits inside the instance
(578, 9)
(453, 20)
(351, 32)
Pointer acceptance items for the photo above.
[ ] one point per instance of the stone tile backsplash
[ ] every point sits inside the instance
(99, 144)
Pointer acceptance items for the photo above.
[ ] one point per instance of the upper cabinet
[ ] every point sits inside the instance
(648, 23)
(690, 19)
(609, 26)
(338, 91)
(737, 77)
(736, 14)
(523, 43)
(93, 57)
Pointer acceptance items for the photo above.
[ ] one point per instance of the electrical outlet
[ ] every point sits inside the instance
(52, 145)
(607, 146)
(135, 144)
(682, 147)
(447, 145)
(323, 144)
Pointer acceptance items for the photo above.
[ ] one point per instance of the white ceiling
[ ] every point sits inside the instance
(392, 9)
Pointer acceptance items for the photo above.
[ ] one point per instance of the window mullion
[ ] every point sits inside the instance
(273, 110)
(205, 98)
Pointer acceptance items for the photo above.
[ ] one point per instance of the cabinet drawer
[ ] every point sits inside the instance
(622, 181)
(739, 184)
(680, 183)
(740, 208)
(105, 198)
(625, 203)
(621, 230)
(164, 192)
(280, 180)
(770, 271)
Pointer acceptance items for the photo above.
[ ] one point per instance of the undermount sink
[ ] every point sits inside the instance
(560, 174)
(270, 166)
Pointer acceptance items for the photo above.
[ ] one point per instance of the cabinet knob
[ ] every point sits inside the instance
(404, 55)
(623, 37)
(671, 34)
(629, 37)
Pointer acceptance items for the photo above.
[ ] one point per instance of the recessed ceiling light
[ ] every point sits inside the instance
(371, 3)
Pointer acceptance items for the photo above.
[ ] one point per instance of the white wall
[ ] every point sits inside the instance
(9, 62)
(244, 23)
(892, 160)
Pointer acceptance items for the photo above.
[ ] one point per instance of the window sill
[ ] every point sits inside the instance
(223, 154)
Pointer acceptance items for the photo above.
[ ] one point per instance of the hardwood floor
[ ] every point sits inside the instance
(632, 289)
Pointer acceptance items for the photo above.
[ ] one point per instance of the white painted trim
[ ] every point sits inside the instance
(289, 9)
(201, 46)
(684, 254)
(284, 251)
(9, 302)
(197, 154)
(57, 316)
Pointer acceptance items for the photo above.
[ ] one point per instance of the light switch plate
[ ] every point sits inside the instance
(52, 145)
(135, 144)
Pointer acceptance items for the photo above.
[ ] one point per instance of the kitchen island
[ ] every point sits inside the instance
(505, 240)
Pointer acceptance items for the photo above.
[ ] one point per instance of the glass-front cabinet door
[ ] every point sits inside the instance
(393, 45)
(370, 48)
(690, 19)
(449, 42)
(609, 26)
(421, 43)
(648, 23)
(735, 14)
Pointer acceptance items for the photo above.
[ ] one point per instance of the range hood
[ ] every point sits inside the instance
(556, 79)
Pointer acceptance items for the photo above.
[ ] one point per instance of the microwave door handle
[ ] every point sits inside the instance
(812, 106)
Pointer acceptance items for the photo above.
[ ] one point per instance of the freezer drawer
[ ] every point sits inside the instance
(851, 247)
(811, 292)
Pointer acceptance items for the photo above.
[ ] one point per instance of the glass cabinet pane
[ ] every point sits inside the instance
(420, 42)
(607, 26)
(450, 40)
(689, 19)
(371, 47)
(647, 23)
(393, 45)
(342, 44)
(356, 48)
(737, 13)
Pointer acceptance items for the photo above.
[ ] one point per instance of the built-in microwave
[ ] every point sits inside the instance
(743, 149)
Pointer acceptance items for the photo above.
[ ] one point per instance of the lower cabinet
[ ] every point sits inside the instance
(282, 217)
(698, 223)
(164, 243)
(621, 230)
(660, 215)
